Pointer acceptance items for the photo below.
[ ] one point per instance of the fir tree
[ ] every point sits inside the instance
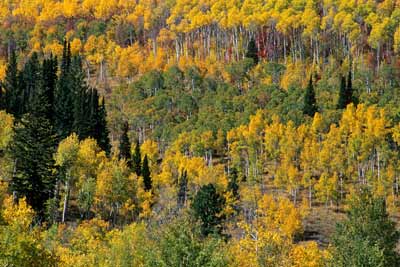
(125, 146)
(207, 206)
(342, 102)
(233, 185)
(30, 82)
(137, 159)
(83, 101)
(252, 51)
(182, 189)
(2, 98)
(101, 129)
(147, 182)
(346, 92)
(310, 103)
(49, 80)
(32, 150)
(13, 100)
(64, 104)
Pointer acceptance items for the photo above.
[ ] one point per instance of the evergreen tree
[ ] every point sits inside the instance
(83, 101)
(368, 237)
(2, 98)
(342, 102)
(64, 104)
(32, 150)
(182, 189)
(32, 82)
(13, 92)
(137, 159)
(252, 51)
(207, 206)
(346, 92)
(310, 103)
(101, 129)
(125, 146)
(233, 185)
(49, 80)
(146, 174)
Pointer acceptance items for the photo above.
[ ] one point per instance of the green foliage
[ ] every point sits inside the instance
(137, 160)
(252, 51)
(368, 237)
(181, 244)
(125, 146)
(310, 103)
(207, 207)
(145, 172)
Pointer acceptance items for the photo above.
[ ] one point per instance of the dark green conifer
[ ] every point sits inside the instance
(147, 182)
(13, 93)
(32, 150)
(310, 103)
(125, 145)
(252, 51)
(207, 206)
(65, 95)
(101, 129)
(137, 159)
(182, 189)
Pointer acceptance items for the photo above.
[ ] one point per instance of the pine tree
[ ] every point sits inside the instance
(101, 129)
(146, 174)
(368, 237)
(342, 102)
(125, 146)
(65, 95)
(346, 92)
(137, 159)
(13, 100)
(182, 189)
(310, 103)
(32, 150)
(49, 80)
(2, 98)
(207, 206)
(83, 109)
(349, 89)
(233, 185)
(252, 51)
(30, 80)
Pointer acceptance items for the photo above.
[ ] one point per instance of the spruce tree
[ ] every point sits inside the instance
(233, 185)
(349, 89)
(342, 102)
(65, 95)
(125, 146)
(32, 151)
(13, 93)
(49, 80)
(147, 182)
(2, 98)
(252, 51)
(32, 81)
(310, 103)
(137, 159)
(101, 129)
(182, 189)
(207, 206)
(83, 101)
(346, 92)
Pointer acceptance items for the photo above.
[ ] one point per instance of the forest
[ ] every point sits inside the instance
(191, 133)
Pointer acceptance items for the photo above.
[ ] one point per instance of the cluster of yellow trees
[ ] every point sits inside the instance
(124, 38)
(326, 160)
